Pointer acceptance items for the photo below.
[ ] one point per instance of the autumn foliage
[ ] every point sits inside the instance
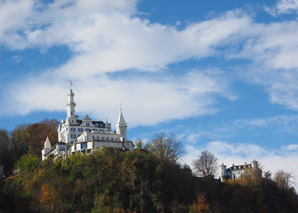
(112, 180)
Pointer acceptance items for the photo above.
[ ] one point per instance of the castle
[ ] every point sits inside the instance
(237, 171)
(86, 135)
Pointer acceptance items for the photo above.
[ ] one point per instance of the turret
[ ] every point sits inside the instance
(70, 106)
(121, 127)
(223, 172)
(46, 147)
(254, 164)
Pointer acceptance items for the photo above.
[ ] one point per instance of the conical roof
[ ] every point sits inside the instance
(121, 118)
(47, 144)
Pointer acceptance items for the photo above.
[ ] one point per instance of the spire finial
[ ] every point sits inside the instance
(120, 108)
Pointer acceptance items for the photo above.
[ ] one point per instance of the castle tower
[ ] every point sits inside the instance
(121, 127)
(223, 172)
(46, 147)
(70, 106)
(254, 164)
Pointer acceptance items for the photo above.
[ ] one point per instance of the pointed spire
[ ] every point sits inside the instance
(47, 144)
(121, 118)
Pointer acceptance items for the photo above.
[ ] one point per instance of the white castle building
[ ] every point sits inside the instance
(85, 136)
(236, 171)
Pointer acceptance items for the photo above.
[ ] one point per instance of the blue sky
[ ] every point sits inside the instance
(221, 75)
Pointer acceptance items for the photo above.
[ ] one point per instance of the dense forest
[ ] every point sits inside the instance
(147, 179)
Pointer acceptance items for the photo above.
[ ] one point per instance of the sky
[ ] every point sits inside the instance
(221, 75)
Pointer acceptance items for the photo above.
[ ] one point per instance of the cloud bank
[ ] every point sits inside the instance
(109, 38)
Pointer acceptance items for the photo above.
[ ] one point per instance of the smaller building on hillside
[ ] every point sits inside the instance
(237, 171)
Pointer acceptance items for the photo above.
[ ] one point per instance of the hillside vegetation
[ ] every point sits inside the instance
(112, 180)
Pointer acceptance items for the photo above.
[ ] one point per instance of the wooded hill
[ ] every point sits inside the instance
(112, 180)
(147, 179)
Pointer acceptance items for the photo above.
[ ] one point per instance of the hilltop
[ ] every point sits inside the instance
(113, 180)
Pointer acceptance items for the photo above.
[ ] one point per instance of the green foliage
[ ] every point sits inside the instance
(5, 152)
(25, 139)
(109, 180)
(112, 180)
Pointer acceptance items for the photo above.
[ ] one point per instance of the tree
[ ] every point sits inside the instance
(166, 147)
(5, 150)
(206, 165)
(38, 133)
(283, 179)
(251, 176)
(201, 205)
(19, 142)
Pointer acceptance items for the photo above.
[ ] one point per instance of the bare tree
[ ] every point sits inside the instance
(206, 165)
(166, 147)
(283, 179)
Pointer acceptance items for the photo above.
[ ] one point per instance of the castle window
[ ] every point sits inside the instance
(73, 136)
(80, 129)
(107, 138)
(72, 129)
(61, 148)
(112, 139)
(97, 138)
(84, 145)
(103, 138)
(87, 124)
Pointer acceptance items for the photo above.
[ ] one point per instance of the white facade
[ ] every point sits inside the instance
(86, 135)
(236, 171)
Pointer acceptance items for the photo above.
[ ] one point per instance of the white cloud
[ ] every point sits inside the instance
(283, 7)
(291, 147)
(14, 16)
(281, 123)
(280, 84)
(105, 42)
(247, 129)
(17, 58)
(192, 138)
(273, 45)
(146, 101)
(107, 37)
